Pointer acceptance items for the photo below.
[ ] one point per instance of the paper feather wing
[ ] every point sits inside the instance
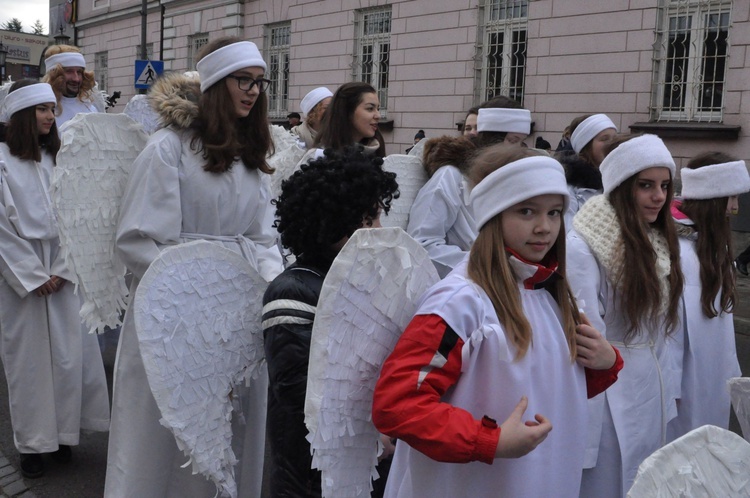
(418, 149)
(4, 89)
(288, 153)
(93, 165)
(367, 299)
(198, 319)
(139, 110)
(707, 462)
(411, 177)
(739, 392)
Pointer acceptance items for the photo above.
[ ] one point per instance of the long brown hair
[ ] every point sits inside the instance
(336, 130)
(22, 132)
(637, 282)
(714, 244)
(489, 267)
(220, 135)
(56, 77)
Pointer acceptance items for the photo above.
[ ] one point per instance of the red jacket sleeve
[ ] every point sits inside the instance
(597, 381)
(407, 401)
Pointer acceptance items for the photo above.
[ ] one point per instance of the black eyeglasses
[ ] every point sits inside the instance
(245, 83)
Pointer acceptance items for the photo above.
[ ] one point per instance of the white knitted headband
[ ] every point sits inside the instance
(631, 157)
(313, 97)
(588, 129)
(22, 98)
(504, 120)
(715, 180)
(226, 60)
(516, 182)
(65, 59)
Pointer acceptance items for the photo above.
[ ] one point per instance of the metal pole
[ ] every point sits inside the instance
(144, 18)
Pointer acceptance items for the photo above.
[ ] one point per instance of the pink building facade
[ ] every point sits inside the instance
(677, 68)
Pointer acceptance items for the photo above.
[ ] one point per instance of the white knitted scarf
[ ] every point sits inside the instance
(598, 225)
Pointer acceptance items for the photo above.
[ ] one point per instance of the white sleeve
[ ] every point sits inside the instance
(265, 236)
(585, 280)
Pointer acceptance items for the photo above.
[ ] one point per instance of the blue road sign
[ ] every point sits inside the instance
(146, 72)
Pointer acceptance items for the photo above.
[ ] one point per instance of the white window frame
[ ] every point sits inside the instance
(507, 19)
(101, 70)
(195, 43)
(99, 4)
(681, 76)
(278, 38)
(373, 37)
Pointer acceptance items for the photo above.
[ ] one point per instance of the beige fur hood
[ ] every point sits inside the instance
(174, 97)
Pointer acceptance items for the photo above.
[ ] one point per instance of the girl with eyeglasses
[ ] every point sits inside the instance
(202, 176)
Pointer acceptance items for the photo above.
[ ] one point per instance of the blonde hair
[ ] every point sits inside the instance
(489, 267)
(55, 76)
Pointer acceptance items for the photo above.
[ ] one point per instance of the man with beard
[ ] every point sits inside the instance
(74, 87)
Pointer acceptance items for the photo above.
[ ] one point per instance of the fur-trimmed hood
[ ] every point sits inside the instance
(174, 97)
(447, 151)
(578, 172)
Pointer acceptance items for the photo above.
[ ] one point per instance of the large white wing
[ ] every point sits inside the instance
(93, 165)
(288, 153)
(411, 177)
(198, 319)
(418, 148)
(368, 298)
(739, 391)
(139, 110)
(704, 463)
(4, 89)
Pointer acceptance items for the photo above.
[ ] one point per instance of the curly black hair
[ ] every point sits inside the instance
(328, 198)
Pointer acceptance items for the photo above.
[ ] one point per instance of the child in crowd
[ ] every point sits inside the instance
(502, 327)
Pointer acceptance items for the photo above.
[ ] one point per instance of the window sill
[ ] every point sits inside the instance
(688, 130)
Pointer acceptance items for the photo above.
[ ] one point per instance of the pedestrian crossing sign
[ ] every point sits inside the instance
(146, 72)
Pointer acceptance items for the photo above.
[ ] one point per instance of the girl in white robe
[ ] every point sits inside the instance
(711, 183)
(624, 268)
(502, 327)
(202, 176)
(56, 381)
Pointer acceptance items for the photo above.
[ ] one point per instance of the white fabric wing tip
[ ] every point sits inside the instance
(411, 177)
(739, 392)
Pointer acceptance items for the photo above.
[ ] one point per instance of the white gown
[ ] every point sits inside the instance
(170, 199)
(710, 356)
(55, 375)
(70, 107)
(441, 220)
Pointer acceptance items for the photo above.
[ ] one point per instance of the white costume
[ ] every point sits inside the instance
(55, 374)
(72, 106)
(441, 220)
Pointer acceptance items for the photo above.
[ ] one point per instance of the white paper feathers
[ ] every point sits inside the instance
(368, 297)
(288, 152)
(139, 110)
(739, 392)
(92, 170)
(198, 318)
(411, 177)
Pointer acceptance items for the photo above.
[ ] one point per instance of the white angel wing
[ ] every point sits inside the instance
(368, 297)
(739, 391)
(4, 89)
(704, 463)
(198, 318)
(99, 98)
(288, 153)
(418, 148)
(93, 165)
(140, 111)
(411, 177)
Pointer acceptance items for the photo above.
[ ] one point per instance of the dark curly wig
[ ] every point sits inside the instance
(328, 198)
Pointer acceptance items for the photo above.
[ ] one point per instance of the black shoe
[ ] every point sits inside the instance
(741, 267)
(32, 465)
(62, 455)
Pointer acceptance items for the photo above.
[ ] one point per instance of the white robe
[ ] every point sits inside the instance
(492, 383)
(628, 421)
(170, 199)
(70, 107)
(710, 356)
(55, 374)
(441, 220)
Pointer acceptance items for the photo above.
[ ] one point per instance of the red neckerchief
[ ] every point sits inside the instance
(535, 275)
(676, 210)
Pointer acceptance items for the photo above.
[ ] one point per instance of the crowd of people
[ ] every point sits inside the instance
(583, 319)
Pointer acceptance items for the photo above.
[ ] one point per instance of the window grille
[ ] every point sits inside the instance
(101, 73)
(278, 41)
(691, 60)
(372, 59)
(504, 49)
(195, 43)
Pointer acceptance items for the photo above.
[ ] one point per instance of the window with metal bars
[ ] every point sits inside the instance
(195, 43)
(101, 72)
(372, 58)
(277, 43)
(504, 49)
(691, 60)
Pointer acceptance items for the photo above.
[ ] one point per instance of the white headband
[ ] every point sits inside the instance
(226, 60)
(631, 157)
(313, 97)
(504, 120)
(65, 59)
(715, 180)
(516, 182)
(589, 129)
(22, 98)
